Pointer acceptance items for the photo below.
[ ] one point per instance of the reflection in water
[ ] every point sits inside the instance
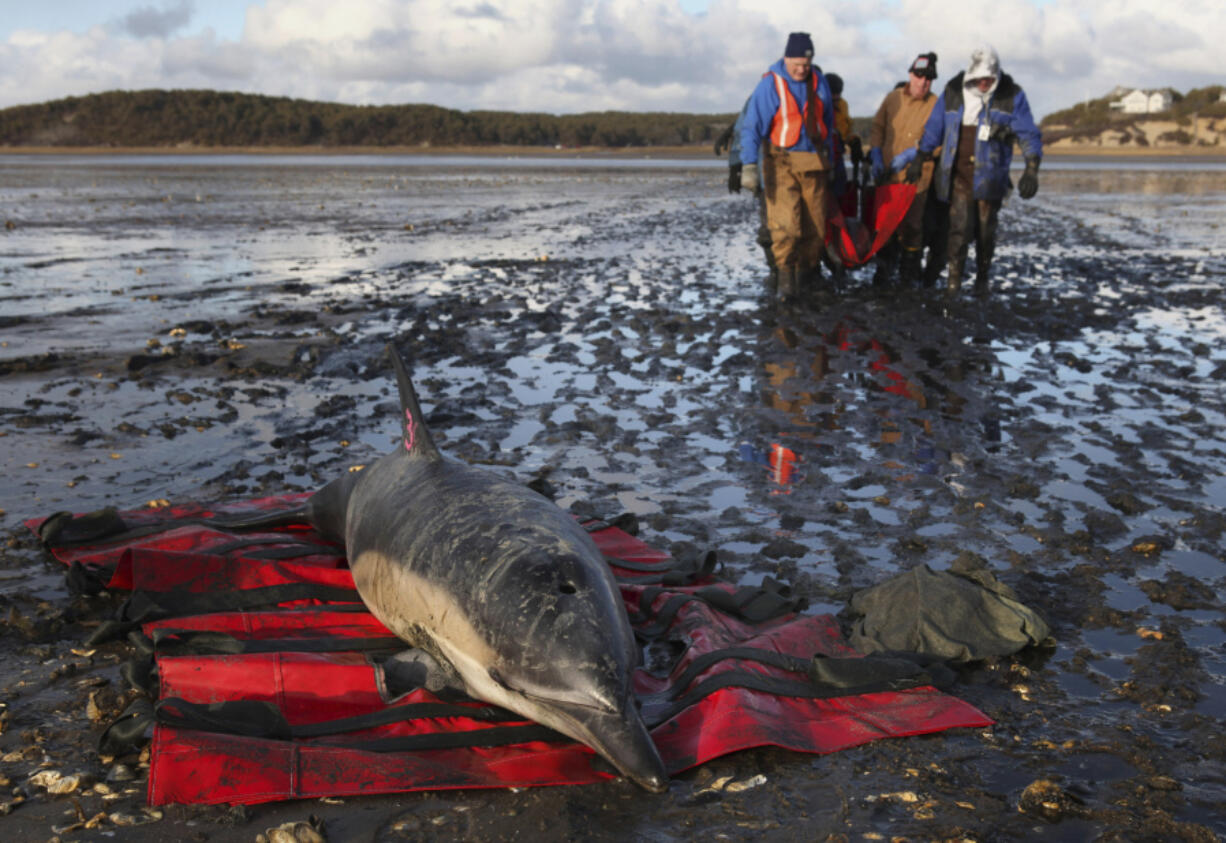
(822, 383)
(779, 461)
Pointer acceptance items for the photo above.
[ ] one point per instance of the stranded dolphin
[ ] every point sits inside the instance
(498, 582)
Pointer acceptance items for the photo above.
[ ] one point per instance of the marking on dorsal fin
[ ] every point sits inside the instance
(417, 439)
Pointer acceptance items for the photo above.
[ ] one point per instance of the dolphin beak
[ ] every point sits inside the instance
(623, 741)
(616, 732)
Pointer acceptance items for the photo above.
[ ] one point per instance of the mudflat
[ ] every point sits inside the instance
(209, 331)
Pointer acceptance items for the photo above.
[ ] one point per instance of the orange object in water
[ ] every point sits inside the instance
(783, 463)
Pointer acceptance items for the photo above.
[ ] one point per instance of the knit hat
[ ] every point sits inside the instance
(925, 65)
(800, 46)
(835, 81)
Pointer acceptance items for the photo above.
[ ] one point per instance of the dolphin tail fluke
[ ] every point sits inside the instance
(417, 439)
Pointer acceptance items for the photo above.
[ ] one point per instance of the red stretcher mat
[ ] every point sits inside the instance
(858, 238)
(738, 682)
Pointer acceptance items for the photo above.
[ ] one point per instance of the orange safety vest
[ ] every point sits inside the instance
(785, 127)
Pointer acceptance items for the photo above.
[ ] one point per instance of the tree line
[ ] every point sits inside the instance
(216, 118)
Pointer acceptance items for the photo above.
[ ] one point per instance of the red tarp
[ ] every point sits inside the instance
(856, 239)
(208, 767)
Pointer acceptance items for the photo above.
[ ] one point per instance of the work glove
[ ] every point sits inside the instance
(734, 178)
(749, 177)
(724, 140)
(857, 151)
(915, 170)
(1028, 184)
(876, 166)
(902, 159)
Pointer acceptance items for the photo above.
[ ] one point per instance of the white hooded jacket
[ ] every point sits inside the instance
(984, 62)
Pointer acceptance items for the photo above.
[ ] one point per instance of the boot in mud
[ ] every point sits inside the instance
(981, 283)
(983, 262)
(932, 272)
(810, 281)
(909, 268)
(789, 286)
(887, 257)
(953, 283)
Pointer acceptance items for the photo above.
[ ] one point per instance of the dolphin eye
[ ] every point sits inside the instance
(567, 588)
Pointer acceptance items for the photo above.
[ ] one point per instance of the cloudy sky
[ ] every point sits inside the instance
(562, 56)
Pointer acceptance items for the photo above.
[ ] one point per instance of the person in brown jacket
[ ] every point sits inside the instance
(895, 133)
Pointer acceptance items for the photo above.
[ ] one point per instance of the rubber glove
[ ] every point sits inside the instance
(749, 177)
(734, 178)
(1028, 184)
(916, 168)
(902, 159)
(876, 166)
(856, 149)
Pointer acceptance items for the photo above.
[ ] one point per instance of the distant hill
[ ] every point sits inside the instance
(1196, 119)
(196, 118)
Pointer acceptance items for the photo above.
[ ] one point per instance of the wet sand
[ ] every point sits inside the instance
(214, 332)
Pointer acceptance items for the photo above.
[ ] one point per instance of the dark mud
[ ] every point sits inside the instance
(216, 332)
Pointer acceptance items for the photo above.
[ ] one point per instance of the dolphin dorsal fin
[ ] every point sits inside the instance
(417, 441)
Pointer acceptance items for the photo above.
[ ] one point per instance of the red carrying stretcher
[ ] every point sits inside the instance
(269, 680)
(856, 237)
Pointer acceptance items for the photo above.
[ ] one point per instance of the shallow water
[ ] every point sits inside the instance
(602, 326)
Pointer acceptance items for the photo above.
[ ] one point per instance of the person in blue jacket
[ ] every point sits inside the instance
(976, 121)
(789, 123)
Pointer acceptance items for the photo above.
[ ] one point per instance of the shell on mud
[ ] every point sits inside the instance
(120, 773)
(730, 784)
(142, 817)
(296, 832)
(1047, 799)
(58, 784)
(905, 796)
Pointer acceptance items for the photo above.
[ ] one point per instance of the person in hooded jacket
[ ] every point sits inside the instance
(791, 111)
(978, 118)
(894, 137)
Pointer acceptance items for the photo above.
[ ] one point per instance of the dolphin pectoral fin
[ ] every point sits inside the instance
(263, 520)
(414, 668)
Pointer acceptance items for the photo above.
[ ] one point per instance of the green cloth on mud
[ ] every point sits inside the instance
(960, 615)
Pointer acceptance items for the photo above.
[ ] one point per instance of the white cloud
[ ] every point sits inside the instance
(578, 55)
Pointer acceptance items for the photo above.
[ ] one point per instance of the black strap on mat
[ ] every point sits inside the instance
(255, 719)
(825, 678)
(753, 604)
(191, 642)
(144, 606)
(106, 526)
